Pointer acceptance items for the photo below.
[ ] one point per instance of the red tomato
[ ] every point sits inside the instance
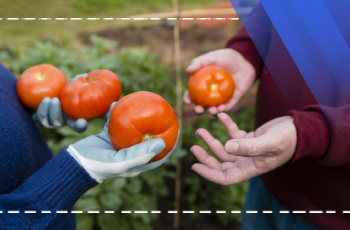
(38, 82)
(142, 116)
(211, 86)
(90, 97)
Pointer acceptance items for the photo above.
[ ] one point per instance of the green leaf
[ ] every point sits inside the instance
(134, 186)
(107, 221)
(87, 204)
(116, 185)
(85, 221)
(111, 201)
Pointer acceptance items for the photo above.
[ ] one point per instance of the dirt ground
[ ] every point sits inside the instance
(158, 39)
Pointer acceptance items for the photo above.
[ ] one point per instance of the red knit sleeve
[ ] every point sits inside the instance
(323, 135)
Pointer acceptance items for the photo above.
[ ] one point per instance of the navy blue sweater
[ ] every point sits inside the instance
(31, 179)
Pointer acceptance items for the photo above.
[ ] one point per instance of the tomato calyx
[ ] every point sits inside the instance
(147, 137)
(40, 77)
(214, 87)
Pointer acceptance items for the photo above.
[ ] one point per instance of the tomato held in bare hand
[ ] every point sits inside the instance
(38, 82)
(90, 97)
(142, 116)
(211, 86)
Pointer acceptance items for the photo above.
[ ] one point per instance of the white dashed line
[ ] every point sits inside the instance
(77, 211)
(12, 18)
(267, 211)
(187, 211)
(140, 211)
(204, 211)
(108, 18)
(172, 211)
(93, 211)
(330, 211)
(251, 211)
(29, 211)
(155, 211)
(13, 211)
(299, 211)
(284, 211)
(48, 211)
(61, 211)
(126, 211)
(109, 211)
(316, 211)
(235, 211)
(345, 211)
(220, 211)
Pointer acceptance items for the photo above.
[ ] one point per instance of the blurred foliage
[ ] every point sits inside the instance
(137, 71)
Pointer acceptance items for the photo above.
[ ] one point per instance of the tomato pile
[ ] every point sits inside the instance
(137, 117)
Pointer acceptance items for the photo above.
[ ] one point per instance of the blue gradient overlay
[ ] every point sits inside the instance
(316, 34)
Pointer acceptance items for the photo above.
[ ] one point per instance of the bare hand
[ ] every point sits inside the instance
(248, 154)
(242, 71)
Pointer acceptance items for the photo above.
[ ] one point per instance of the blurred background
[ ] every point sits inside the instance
(141, 53)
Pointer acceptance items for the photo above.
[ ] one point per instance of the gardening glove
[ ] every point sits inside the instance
(49, 114)
(98, 157)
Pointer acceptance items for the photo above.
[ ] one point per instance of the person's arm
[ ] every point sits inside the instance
(253, 38)
(61, 182)
(55, 187)
(323, 134)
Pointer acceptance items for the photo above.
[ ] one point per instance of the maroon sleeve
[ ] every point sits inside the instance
(243, 44)
(323, 134)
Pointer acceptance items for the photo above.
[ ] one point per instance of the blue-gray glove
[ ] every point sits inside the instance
(98, 157)
(49, 114)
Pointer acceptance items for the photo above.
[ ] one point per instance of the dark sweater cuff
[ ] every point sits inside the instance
(62, 182)
(313, 134)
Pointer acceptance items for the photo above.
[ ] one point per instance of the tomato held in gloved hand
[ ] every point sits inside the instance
(38, 82)
(140, 117)
(91, 96)
(211, 86)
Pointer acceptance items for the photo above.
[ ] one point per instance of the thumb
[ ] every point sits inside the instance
(263, 145)
(194, 66)
(79, 125)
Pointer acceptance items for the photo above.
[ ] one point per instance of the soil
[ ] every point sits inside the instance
(158, 39)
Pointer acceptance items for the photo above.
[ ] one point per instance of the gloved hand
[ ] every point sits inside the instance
(98, 157)
(49, 114)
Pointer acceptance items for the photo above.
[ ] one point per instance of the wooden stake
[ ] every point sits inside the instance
(178, 111)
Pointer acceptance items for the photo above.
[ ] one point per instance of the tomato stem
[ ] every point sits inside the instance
(147, 136)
